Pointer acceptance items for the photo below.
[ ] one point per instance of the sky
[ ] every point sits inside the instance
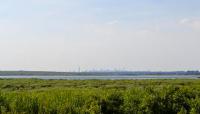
(63, 35)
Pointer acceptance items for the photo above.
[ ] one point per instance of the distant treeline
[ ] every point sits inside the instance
(114, 73)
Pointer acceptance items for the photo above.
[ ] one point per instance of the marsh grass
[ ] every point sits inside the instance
(32, 96)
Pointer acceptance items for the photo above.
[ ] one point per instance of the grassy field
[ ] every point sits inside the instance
(33, 96)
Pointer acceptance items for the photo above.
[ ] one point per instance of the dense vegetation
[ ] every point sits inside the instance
(32, 96)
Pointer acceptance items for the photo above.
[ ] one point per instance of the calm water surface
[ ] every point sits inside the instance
(109, 77)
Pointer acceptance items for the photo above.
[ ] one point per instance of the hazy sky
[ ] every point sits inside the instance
(62, 35)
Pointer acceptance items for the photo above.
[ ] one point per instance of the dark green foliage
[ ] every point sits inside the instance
(113, 104)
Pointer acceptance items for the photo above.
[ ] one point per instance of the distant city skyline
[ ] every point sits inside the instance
(63, 35)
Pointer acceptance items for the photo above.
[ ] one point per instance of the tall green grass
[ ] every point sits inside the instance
(99, 97)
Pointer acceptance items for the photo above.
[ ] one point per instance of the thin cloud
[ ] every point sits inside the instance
(192, 23)
(113, 22)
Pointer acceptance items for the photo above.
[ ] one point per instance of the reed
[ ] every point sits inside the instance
(99, 96)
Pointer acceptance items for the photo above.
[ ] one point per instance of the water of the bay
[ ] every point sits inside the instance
(107, 77)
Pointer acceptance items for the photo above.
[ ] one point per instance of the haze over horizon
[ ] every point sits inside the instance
(61, 35)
